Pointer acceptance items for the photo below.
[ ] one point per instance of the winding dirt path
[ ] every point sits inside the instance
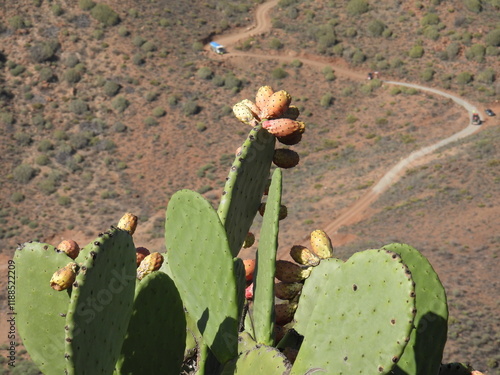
(355, 212)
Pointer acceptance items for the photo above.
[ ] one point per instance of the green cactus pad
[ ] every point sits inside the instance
(101, 304)
(260, 360)
(312, 290)
(263, 307)
(203, 270)
(245, 185)
(424, 352)
(455, 369)
(363, 320)
(156, 335)
(40, 309)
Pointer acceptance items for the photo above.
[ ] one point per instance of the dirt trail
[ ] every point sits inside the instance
(357, 211)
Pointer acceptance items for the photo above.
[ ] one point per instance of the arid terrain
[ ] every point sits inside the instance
(103, 114)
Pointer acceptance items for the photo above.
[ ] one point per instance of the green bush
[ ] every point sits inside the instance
(42, 159)
(493, 38)
(120, 104)
(232, 82)
(7, 118)
(104, 14)
(138, 40)
(149, 47)
(191, 108)
(139, 59)
(78, 107)
(45, 145)
(111, 88)
(150, 121)
(47, 186)
(476, 53)
(123, 31)
(23, 173)
(17, 22)
(358, 57)
(71, 61)
(376, 28)
(357, 7)
(279, 73)
(17, 197)
(44, 51)
(47, 74)
(452, 50)
(416, 52)
(205, 73)
(429, 19)
(17, 70)
(326, 100)
(427, 74)
(159, 112)
(275, 43)
(72, 75)
(431, 32)
(464, 78)
(486, 76)
(86, 4)
(57, 10)
(22, 138)
(151, 96)
(473, 5)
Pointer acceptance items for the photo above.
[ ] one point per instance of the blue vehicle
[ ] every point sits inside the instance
(217, 48)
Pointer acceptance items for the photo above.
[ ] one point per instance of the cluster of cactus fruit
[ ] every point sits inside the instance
(114, 308)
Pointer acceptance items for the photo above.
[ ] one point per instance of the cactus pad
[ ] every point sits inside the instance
(363, 320)
(40, 309)
(260, 360)
(101, 304)
(202, 267)
(245, 185)
(157, 318)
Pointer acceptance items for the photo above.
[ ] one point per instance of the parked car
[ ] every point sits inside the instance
(489, 112)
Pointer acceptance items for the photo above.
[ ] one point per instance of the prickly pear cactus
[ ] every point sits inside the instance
(157, 317)
(260, 360)
(363, 318)
(202, 267)
(101, 304)
(40, 309)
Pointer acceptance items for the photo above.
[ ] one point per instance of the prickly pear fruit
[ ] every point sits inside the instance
(290, 272)
(141, 253)
(321, 244)
(290, 354)
(302, 255)
(249, 240)
(281, 127)
(244, 114)
(128, 222)
(64, 277)
(253, 107)
(263, 95)
(276, 106)
(249, 292)
(287, 291)
(292, 112)
(69, 247)
(284, 312)
(282, 214)
(151, 263)
(291, 139)
(285, 158)
(249, 268)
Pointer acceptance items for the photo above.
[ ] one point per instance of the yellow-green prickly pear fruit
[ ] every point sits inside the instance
(262, 97)
(290, 272)
(253, 107)
(69, 247)
(276, 106)
(287, 291)
(149, 264)
(302, 255)
(292, 112)
(244, 114)
(128, 222)
(64, 277)
(249, 240)
(284, 312)
(321, 244)
(285, 158)
(281, 127)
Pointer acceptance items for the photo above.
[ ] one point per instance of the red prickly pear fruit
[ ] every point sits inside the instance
(302, 255)
(290, 272)
(249, 268)
(282, 214)
(281, 127)
(285, 158)
(249, 292)
(287, 291)
(263, 95)
(69, 247)
(291, 139)
(292, 112)
(244, 114)
(291, 354)
(141, 253)
(128, 222)
(276, 106)
(249, 240)
(284, 312)
(64, 277)
(150, 263)
(321, 244)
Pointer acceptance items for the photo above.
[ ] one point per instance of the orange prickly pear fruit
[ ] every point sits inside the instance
(282, 214)
(249, 240)
(128, 222)
(302, 255)
(284, 312)
(321, 244)
(69, 247)
(244, 114)
(141, 253)
(292, 112)
(150, 263)
(249, 268)
(276, 106)
(64, 277)
(281, 127)
(285, 158)
(263, 95)
(287, 291)
(290, 272)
